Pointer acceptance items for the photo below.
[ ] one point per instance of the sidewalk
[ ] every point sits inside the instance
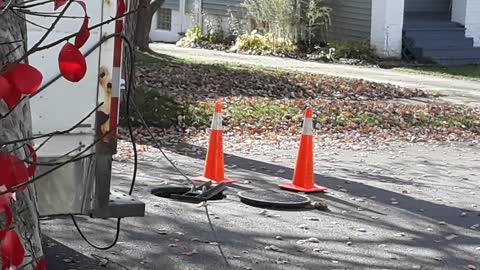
(458, 91)
(407, 206)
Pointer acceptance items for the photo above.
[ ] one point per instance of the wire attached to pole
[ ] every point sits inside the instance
(135, 168)
(135, 152)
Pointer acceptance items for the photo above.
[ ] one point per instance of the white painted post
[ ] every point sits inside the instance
(466, 12)
(198, 13)
(182, 15)
(387, 27)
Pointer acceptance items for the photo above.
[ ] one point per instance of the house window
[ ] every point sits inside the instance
(164, 19)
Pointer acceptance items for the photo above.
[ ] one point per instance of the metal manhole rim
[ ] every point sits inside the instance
(273, 200)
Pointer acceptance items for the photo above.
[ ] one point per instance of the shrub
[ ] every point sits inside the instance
(215, 36)
(276, 17)
(289, 20)
(192, 38)
(256, 43)
(252, 42)
(354, 50)
(317, 21)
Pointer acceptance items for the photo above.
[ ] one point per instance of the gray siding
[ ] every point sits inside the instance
(427, 6)
(171, 4)
(220, 7)
(189, 5)
(351, 19)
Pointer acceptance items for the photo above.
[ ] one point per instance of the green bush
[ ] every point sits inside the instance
(256, 43)
(192, 38)
(353, 49)
(215, 37)
(198, 114)
(158, 111)
(166, 112)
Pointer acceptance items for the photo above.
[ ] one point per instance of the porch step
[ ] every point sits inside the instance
(426, 16)
(428, 25)
(452, 53)
(451, 34)
(458, 62)
(443, 42)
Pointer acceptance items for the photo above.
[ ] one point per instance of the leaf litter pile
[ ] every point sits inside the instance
(263, 107)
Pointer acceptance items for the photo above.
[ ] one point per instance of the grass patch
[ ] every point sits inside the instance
(397, 116)
(257, 115)
(460, 72)
(180, 93)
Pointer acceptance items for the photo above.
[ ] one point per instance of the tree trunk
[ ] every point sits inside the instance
(129, 31)
(144, 22)
(18, 125)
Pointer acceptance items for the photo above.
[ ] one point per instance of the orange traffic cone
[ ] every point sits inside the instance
(303, 179)
(214, 164)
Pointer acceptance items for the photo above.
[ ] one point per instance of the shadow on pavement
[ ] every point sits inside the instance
(437, 212)
(61, 257)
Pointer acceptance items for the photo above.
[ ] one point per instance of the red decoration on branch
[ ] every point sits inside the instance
(5, 200)
(12, 99)
(84, 33)
(59, 3)
(33, 157)
(41, 264)
(5, 87)
(12, 250)
(24, 78)
(12, 172)
(20, 79)
(71, 62)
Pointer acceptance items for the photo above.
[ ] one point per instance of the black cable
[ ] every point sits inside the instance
(160, 147)
(117, 235)
(127, 112)
(135, 168)
(135, 153)
(216, 236)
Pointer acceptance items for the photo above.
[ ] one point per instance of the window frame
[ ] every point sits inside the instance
(164, 19)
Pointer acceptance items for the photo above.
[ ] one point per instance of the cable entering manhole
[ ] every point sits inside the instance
(195, 194)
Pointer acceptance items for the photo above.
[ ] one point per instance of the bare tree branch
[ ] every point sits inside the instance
(55, 132)
(35, 179)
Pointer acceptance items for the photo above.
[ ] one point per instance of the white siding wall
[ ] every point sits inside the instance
(215, 10)
(467, 13)
(387, 27)
(164, 35)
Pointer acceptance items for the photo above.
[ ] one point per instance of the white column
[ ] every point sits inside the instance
(182, 15)
(467, 13)
(387, 26)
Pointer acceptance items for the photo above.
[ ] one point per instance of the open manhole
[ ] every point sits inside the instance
(273, 199)
(183, 193)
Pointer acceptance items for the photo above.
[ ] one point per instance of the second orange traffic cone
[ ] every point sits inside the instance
(214, 162)
(303, 177)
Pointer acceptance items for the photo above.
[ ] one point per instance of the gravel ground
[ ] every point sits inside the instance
(397, 206)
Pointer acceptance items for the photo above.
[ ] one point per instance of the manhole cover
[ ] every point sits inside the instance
(270, 198)
(167, 191)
